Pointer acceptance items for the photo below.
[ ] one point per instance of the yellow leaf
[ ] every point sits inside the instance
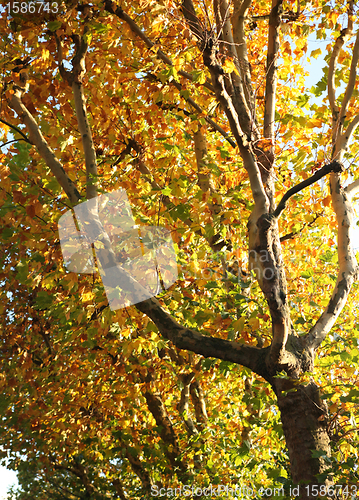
(321, 220)
(45, 54)
(229, 66)
(126, 332)
(194, 267)
(87, 296)
(254, 323)
(315, 53)
(315, 123)
(347, 448)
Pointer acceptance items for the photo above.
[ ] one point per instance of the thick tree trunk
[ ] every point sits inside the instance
(304, 419)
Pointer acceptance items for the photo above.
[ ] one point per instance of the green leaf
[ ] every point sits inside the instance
(22, 271)
(54, 25)
(166, 191)
(100, 28)
(307, 274)
(7, 233)
(87, 38)
(199, 76)
(231, 335)
(43, 301)
(185, 93)
(344, 355)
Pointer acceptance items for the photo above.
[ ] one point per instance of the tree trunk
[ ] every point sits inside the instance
(304, 419)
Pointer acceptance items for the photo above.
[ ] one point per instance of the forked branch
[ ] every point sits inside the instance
(224, 30)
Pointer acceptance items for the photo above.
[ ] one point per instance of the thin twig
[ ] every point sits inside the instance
(17, 130)
(14, 140)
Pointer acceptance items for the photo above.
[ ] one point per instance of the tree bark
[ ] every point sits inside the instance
(305, 420)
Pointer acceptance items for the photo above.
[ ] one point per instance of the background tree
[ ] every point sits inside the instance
(200, 112)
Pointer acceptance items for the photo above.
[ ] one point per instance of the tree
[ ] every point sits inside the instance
(200, 112)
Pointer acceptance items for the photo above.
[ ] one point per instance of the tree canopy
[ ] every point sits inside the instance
(243, 374)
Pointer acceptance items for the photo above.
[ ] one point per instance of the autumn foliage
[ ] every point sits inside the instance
(182, 390)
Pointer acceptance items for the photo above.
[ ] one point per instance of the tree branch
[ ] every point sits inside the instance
(81, 114)
(74, 79)
(44, 149)
(183, 405)
(342, 38)
(167, 433)
(81, 472)
(266, 157)
(224, 29)
(63, 488)
(207, 346)
(347, 135)
(345, 281)
(348, 267)
(200, 146)
(192, 19)
(138, 468)
(13, 140)
(335, 166)
(352, 189)
(119, 489)
(271, 72)
(293, 234)
(241, 8)
(350, 85)
(341, 198)
(199, 404)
